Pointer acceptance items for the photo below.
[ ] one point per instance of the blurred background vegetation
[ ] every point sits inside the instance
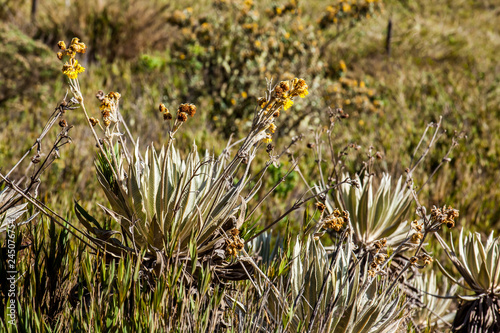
(441, 60)
(393, 66)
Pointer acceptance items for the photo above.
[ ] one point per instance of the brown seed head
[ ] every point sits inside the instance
(278, 91)
(63, 123)
(285, 85)
(183, 108)
(182, 117)
(93, 121)
(100, 95)
(416, 238)
(262, 102)
(380, 258)
(191, 110)
(321, 206)
(114, 95)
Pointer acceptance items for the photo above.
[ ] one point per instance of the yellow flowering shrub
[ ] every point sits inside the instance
(217, 54)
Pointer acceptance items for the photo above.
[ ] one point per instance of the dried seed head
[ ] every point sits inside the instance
(380, 243)
(417, 226)
(162, 108)
(278, 91)
(63, 123)
(36, 159)
(321, 206)
(167, 116)
(184, 108)
(191, 110)
(416, 238)
(379, 258)
(262, 102)
(93, 121)
(426, 259)
(182, 117)
(62, 45)
(100, 95)
(285, 85)
(59, 55)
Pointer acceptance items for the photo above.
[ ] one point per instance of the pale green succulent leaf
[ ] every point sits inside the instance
(11, 215)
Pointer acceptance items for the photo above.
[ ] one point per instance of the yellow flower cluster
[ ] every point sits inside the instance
(234, 244)
(71, 68)
(444, 216)
(351, 92)
(343, 10)
(287, 90)
(181, 18)
(281, 97)
(282, 10)
(336, 220)
(109, 107)
(239, 33)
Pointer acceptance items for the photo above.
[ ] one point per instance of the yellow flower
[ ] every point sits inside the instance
(244, 94)
(288, 104)
(72, 71)
(304, 93)
(346, 7)
(269, 138)
(343, 66)
(272, 128)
